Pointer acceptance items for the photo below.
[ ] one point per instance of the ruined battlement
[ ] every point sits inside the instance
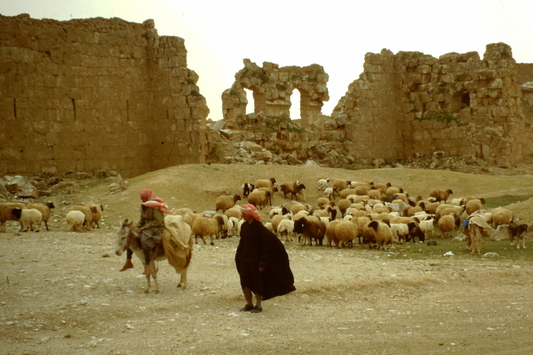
(91, 94)
(458, 103)
(88, 94)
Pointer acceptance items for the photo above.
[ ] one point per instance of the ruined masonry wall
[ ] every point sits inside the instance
(457, 103)
(84, 95)
(272, 88)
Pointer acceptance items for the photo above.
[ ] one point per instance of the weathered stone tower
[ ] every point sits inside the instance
(458, 103)
(84, 95)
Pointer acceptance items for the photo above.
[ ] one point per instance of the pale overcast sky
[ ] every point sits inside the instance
(335, 34)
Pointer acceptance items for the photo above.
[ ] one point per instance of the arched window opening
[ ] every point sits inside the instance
(295, 109)
(250, 106)
(460, 100)
(465, 99)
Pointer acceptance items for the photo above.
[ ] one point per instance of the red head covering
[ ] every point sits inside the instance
(150, 199)
(251, 210)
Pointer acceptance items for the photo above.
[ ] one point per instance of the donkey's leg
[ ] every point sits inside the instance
(154, 276)
(148, 285)
(183, 279)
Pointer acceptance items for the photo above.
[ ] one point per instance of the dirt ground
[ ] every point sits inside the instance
(61, 293)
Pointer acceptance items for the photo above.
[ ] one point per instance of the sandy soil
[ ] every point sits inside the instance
(62, 293)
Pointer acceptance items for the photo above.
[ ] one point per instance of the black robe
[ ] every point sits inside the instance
(259, 247)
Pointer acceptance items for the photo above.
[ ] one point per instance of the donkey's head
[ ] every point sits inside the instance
(124, 237)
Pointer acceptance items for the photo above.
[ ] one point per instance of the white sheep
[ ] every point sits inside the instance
(323, 184)
(28, 218)
(427, 226)
(233, 226)
(286, 228)
(278, 210)
(75, 220)
(399, 232)
(329, 193)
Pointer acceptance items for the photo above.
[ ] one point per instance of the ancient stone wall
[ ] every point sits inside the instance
(524, 72)
(272, 88)
(84, 95)
(458, 103)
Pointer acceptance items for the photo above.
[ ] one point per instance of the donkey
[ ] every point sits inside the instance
(128, 236)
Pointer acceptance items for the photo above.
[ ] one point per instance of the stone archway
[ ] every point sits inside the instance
(272, 88)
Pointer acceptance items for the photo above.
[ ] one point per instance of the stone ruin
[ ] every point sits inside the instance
(403, 105)
(272, 88)
(92, 94)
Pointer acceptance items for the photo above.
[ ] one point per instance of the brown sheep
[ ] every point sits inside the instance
(235, 211)
(297, 207)
(207, 227)
(294, 188)
(312, 228)
(265, 183)
(97, 213)
(382, 233)
(382, 187)
(391, 191)
(501, 216)
(330, 232)
(259, 198)
(446, 225)
(324, 202)
(374, 193)
(224, 202)
(345, 233)
(440, 195)
(87, 211)
(474, 205)
(6, 213)
(340, 184)
(277, 219)
(44, 209)
(343, 205)
(347, 192)
(362, 190)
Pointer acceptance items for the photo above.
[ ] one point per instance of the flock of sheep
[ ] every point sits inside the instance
(31, 215)
(377, 214)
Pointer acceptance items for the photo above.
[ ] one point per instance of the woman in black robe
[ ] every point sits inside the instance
(262, 262)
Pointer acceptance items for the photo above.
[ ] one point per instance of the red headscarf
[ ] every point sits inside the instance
(150, 199)
(251, 210)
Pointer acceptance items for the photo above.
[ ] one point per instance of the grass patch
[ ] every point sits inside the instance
(419, 251)
(497, 201)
